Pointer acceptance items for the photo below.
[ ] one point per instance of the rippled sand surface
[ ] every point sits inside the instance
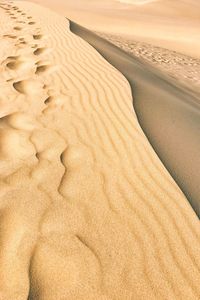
(87, 209)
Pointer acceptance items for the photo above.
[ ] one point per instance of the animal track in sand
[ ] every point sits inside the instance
(31, 23)
(28, 87)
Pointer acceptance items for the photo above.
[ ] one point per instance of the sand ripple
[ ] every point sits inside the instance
(87, 209)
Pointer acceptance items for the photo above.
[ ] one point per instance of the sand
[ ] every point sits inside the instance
(167, 110)
(88, 211)
(182, 68)
(171, 24)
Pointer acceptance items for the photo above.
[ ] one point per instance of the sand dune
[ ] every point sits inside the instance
(171, 24)
(88, 211)
(165, 108)
(182, 68)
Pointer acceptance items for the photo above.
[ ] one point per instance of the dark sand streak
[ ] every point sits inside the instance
(168, 112)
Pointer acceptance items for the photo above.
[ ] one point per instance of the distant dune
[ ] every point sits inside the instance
(88, 211)
(137, 2)
(182, 68)
(172, 24)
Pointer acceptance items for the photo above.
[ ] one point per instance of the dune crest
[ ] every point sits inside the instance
(87, 209)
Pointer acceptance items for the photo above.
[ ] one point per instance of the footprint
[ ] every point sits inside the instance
(29, 17)
(9, 59)
(17, 28)
(34, 46)
(10, 36)
(43, 69)
(15, 65)
(15, 144)
(22, 22)
(48, 100)
(40, 51)
(31, 23)
(37, 36)
(19, 65)
(19, 121)
(57, 100)
(21, 43)
(28, 87)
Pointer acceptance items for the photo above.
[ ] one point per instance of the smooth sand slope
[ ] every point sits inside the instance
(87, 209)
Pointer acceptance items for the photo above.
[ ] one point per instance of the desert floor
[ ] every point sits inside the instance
(183, 68)
(170, 24)
(88, 211)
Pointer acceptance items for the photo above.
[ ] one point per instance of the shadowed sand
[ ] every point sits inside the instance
(182, 68)
(169, 114)
(171, 24)
(88, 211)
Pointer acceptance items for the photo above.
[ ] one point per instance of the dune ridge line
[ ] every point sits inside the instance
(167, 110)
(87, 208)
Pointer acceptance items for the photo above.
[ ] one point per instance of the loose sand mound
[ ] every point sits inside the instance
(87, 209)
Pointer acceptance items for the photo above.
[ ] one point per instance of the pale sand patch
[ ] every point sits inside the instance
(87, 209)
(171, 24)
(183, 68)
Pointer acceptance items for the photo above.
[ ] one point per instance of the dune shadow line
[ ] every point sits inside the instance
(168, 113)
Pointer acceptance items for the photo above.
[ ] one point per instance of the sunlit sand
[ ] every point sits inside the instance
(88, 211)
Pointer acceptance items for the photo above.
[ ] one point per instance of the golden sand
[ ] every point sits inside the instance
(171, 24)
(87, 209)
(182, 68)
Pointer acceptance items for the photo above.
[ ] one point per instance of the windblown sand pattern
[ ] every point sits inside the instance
(87, 209)
(182, 67)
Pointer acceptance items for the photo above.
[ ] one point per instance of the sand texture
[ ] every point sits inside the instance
(87, 209)
(167, 110)
(170, 24)
(182, 68)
